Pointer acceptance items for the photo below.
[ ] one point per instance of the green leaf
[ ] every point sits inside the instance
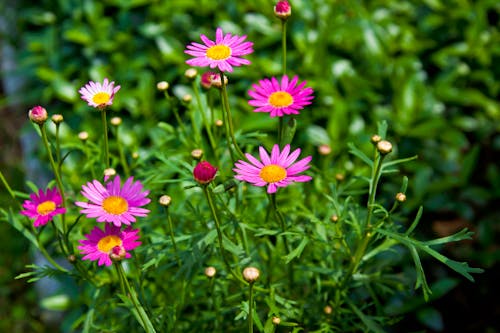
(297, 251)
(56, 302)
(356, 152)
(367, 320)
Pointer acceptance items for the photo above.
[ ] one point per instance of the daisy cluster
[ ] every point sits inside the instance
(277, 96)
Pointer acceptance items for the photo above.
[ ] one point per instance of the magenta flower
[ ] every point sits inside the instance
(109, 245)
(204, 172)
(99, 95)
(114, 204)
(277, 170)
(280, 99)
(44, 206)
(224, 53)
(38, 115)
(283, 9)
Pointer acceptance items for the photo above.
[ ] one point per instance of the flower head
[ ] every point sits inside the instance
(38, 115)
(204, 172)
(113, 203)
(110, 244)
(224, 53)
(206, 80)
(99, 95)
(43, 206)
(280, 98)
(277, 170)
(283, 10)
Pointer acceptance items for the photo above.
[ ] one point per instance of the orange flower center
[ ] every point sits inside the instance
(115, 205)
(219, 52)
(280, 99)
(46, 207)
(107, 243)
(272, 173)
(101, 98)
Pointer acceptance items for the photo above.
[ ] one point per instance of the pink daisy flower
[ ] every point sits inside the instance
(109, 245)
(277, 170)
(114, 204)
(44, 206)
(224, 53)
(99, 95)
(280, 98)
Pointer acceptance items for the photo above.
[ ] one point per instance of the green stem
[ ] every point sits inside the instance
(58, 148)
(121, 153)
(282, 223)
(205, 121)
(172, 237)
(366, 233)
(225, 102)
(105, 132)
(7, 186)
(250, 309)
(47, 255)
(143, 317)
(57, 175)
(283, 44)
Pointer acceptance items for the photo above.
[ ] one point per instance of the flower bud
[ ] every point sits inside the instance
(204, 172)
(276, 320)
(135, 155)
(251, 274)
(324, 149)
(384, 147)
(197, 153)
(116, 121)
(57, 118)
(109, 172)
(83, 136)
(401, 197)
(283, 10)
(162, 85)
(219, 123)
(165, 200)
(216, 81)
(334, 218)
(187, 98)
(375, 139)
(339, 176)
(72, 258)
(206, 80)
(210, 271)
(38, 115)
(328, 309)
(118, 253)
(191, 73)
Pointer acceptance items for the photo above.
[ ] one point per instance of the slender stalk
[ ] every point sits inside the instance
(282, 223)
(57, 175)
(7, 186)
(250, 309)
(121, 153)
(58, 148)
(143, 317)
(172, 237)
(105, 132)
(281, 121)
(225, 102)
(226, 128)
(47, 256)
(205, 121)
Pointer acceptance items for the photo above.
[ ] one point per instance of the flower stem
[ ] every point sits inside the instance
(205, 121)
(57, 175)
(225, 103)
(121, 153)
(127, 289)
(7, 186)
(105, 132)
(172, 237)
(282, 223)
(47, 256)
(250, 309)
(281, 120)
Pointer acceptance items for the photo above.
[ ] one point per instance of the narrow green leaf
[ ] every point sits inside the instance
(297, 251)
(368, 321)
(356, 152)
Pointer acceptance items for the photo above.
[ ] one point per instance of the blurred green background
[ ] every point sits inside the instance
(427, 67)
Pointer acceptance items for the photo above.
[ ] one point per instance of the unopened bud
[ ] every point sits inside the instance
(328, 309)
(197, 153)
(187, 98)
(324, 149)
(339, 176)
(219, 123)
(206, 80)
(165, 200)
(283, 10)
(57, 118)
(38, 115)
(401, 197)
(72, 258)
(210, 271)
(190, 73)
(83, 136)
(109, 172)
(162, 85)
(118, 253)
(375, 139)
(204, 172)
(384, 147)
(116, 121)
(276, 320)
(251, 274)
(135, 155)
(216, 80)
(334, 218)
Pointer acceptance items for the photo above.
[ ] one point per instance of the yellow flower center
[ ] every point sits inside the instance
(46, 207)
(101, 98)
(115, 205)
(219, 52)
(106, 244)
(272, 173)
(280, 99)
